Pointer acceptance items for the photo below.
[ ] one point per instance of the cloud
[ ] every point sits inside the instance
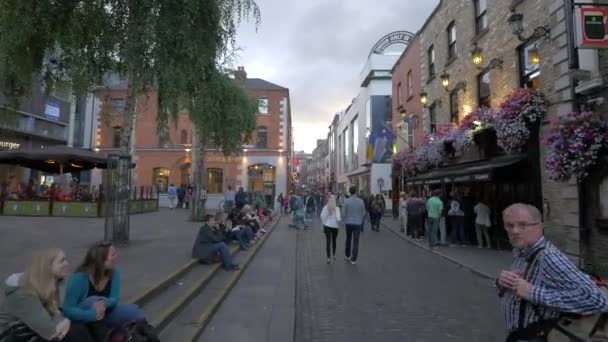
(317, 48)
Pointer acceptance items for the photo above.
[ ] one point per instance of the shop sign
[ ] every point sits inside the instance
(51, 110)
(462, 179)
(433, 181)
(221, 159)
(9, 145)
(484, 176)
(591, 27)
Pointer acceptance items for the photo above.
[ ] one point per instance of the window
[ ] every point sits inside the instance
(118, 106)
(410, 85)
(184, 137)
(262, 137)
(454, 107)
(354, 132)
(431, 60)
(529, 65)
(116, 133)
(399, 94)
(452, 40)
(432, 118)
(215, 181)
(263, 105)
(161, 178)
(410, 136)
(345, 136)
(481, 15)
(483, 88)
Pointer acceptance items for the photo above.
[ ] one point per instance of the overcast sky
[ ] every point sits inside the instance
(317, 48)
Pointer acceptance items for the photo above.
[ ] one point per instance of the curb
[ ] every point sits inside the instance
(473, 269)
(205, 317)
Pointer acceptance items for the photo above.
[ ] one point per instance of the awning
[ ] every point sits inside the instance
(481, 171)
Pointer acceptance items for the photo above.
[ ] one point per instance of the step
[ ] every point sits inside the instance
(190, 322)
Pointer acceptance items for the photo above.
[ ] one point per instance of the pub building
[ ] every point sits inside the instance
(41, 120)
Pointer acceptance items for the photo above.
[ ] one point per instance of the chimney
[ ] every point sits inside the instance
(240, 74)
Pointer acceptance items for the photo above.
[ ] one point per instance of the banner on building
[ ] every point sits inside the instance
(591, 27)
(380, 145)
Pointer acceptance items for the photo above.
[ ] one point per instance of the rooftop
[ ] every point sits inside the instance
(260, 84)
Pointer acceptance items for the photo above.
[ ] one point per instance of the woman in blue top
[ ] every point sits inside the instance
(93, 292)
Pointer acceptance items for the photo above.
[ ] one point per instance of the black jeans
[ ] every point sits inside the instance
(331, 234)
(352, 237)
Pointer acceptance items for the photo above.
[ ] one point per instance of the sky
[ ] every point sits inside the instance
(317, 49)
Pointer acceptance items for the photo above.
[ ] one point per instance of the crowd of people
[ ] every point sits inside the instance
(45, 303)
(69, 191)
(457, 220)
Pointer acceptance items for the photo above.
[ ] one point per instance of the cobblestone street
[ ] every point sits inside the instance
(396, 292)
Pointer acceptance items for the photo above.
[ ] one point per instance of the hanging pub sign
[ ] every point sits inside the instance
(590, 25)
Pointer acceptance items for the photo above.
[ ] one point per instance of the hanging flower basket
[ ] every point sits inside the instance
(519, 111)
(574, 144)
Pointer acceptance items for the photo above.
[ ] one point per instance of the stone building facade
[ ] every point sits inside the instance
(447, 39)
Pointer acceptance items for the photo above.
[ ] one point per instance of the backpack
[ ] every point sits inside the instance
(133, 332)
(568, 327)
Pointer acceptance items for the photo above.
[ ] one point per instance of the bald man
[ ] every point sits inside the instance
(554, 286)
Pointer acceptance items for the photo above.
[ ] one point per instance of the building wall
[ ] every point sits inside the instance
(408, 62)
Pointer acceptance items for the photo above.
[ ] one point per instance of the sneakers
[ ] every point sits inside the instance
(328, 261)
(346, 258)
(333, 258)
(353, 262)
(233, 267)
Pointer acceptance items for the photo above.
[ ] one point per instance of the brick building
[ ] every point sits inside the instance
(575, 213)
(164, 158)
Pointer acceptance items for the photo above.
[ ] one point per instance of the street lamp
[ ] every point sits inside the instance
(445, 80)
(516, 21)
(476, 55)
(423, 98)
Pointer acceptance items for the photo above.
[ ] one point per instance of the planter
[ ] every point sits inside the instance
(486, 141)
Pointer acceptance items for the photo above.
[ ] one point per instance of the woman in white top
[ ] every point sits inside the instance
(482, 224)
(330, 216)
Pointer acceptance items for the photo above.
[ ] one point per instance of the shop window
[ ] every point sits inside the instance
(454, 107)
(483, 89)
(481, 15)
(604, 197)
(262, 137)
(116, 134)
(215, 181)
(118, 106)
(184, 137)
(161, 178)
(431, 61)
(263, 105)
(451, 31)
(529, 65)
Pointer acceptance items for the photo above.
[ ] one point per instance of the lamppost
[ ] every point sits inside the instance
(477, 59)
(516, 21)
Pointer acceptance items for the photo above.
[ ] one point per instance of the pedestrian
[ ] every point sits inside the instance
(188, 196)
(181, 193)
(482, 224)
(240, 198)
(403, 211)
(172, 195)
(354, 218)
(542, 283)
(229, 199)
(330, 216)
(30, 309)
(376, 211)
(434, 207)
(457, 221)
(280, 202)
(310, 206)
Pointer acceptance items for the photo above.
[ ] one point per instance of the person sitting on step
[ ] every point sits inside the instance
(210, 241)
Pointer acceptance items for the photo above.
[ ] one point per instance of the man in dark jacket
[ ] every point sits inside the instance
(240, 198)
(210, 241)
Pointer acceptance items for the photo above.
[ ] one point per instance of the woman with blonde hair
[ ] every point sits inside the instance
(330, 216)
(30, 310)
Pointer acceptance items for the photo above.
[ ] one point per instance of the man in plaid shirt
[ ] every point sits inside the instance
(555, 286)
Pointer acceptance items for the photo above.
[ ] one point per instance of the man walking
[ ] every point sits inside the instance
(354, 217)
(229, 199)
(542, 284)
(434, 208)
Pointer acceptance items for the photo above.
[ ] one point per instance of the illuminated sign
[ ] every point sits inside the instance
(591, 27)
(10, 145)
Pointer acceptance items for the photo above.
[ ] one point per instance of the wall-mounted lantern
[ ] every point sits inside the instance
(476, 55)
(516, 21)
(424, 98)
(445, 80)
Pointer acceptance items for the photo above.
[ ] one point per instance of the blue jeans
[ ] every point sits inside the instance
(118, 315)
(221, 248)
(457, 233)
(432, 231)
